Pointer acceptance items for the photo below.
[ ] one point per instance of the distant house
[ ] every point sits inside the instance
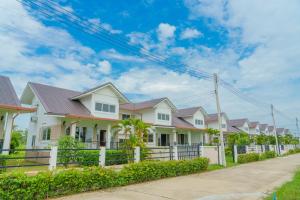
(10, 107)
(286, 131)
(264, 129)
(212, 121)
(271, 130)
(280, 131)
(89, 117)
(240, 125)
(254, 128)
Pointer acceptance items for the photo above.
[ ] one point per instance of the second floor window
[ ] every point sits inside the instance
(198, 122)
(163, 116)
(103, 107)
(46, 134)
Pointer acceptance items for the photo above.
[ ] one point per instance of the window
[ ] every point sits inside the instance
(46, 133)
(150, 138)
(198, 122)
(103, 107)
(223, 125)
(125, 116)
(164, 117)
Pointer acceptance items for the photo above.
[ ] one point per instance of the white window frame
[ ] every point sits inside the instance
(199, 122)
(102, 107)
(48, 133)
(163, 116)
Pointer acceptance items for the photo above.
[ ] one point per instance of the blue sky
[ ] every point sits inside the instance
(256, 48)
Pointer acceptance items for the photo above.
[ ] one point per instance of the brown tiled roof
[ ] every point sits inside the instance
(181, 123)
(232, 129)
(187, 112)
(253, 124)
(141, 105)
(237, 122)
(8, 95)
(213, 117)
(263, 127)
(58, 101)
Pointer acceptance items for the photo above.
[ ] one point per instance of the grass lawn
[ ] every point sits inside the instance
(230, 162)
(288, 191)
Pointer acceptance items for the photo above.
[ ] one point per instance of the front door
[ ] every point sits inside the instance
(102, 138)
(164, 139)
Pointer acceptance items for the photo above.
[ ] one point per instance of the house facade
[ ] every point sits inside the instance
(10, 108)
(264, 129)
(239, 125)
(254, 128)
(90, 117)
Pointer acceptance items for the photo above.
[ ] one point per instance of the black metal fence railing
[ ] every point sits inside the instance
(17, 158)
(186, 152)
(241, 149)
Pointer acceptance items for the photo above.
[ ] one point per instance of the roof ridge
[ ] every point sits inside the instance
(53, 86)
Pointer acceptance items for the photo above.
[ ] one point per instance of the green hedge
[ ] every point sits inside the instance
(249, 157)
(43, 185)
(267, 155)
(112, 157)
(3, 162)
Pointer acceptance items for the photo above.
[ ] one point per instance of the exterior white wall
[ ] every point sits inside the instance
(254, 131)
(215, 125)
(199, 115)
(245, 127)
(148, 115)
(164, 108)
(35, 126)
(105, 95)
(87, 102)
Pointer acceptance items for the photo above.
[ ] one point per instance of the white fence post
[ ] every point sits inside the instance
(235, 152)
(202, 151)
(137, 154)
(53, 158)
(263, 148)
(175, 152)
(102, 156)
(247, 149)
(220, 155)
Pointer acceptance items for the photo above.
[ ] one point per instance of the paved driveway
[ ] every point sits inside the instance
(244, 182)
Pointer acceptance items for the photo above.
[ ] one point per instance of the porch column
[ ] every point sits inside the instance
(73, 129)
(94, 138)
(189, 138)
(174, 137)
(154, 137)
(7, 132)
(108, 136)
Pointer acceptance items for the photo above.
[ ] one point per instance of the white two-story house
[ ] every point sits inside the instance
(90, 116)
(254, 128)
(264, 129)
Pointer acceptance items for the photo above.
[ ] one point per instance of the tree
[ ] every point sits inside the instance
(214, 134)
(260, 139)
(135, 131)
(239, 138)
(16, 141)
(68, 149)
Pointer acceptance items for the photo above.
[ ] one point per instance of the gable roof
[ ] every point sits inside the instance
(181, 123)
(57, 100)
(238, 122)
(270, 128)
(146, 104)
(8, 95)
(214, 117)
(188, 112)
(108, 84)
(253, 124)
(263, 127)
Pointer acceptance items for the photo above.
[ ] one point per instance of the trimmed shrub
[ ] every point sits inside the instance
(44, 185)
(3, 162)
(267, 155)
(249, 157)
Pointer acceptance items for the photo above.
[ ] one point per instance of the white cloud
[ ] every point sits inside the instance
(165, 31)
(96, 22)
(104, 67)
(190, 33)
(116, 56)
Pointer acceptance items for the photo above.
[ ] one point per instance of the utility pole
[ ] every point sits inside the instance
(297, 126)
(275, 132)
(216, 83)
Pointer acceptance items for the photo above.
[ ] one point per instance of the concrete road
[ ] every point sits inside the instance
(245, 182)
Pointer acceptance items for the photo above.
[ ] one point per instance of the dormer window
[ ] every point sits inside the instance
(103, 107)
(163, 116)
(198, 122)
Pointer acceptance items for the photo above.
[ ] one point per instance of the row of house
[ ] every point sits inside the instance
(90, 116)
